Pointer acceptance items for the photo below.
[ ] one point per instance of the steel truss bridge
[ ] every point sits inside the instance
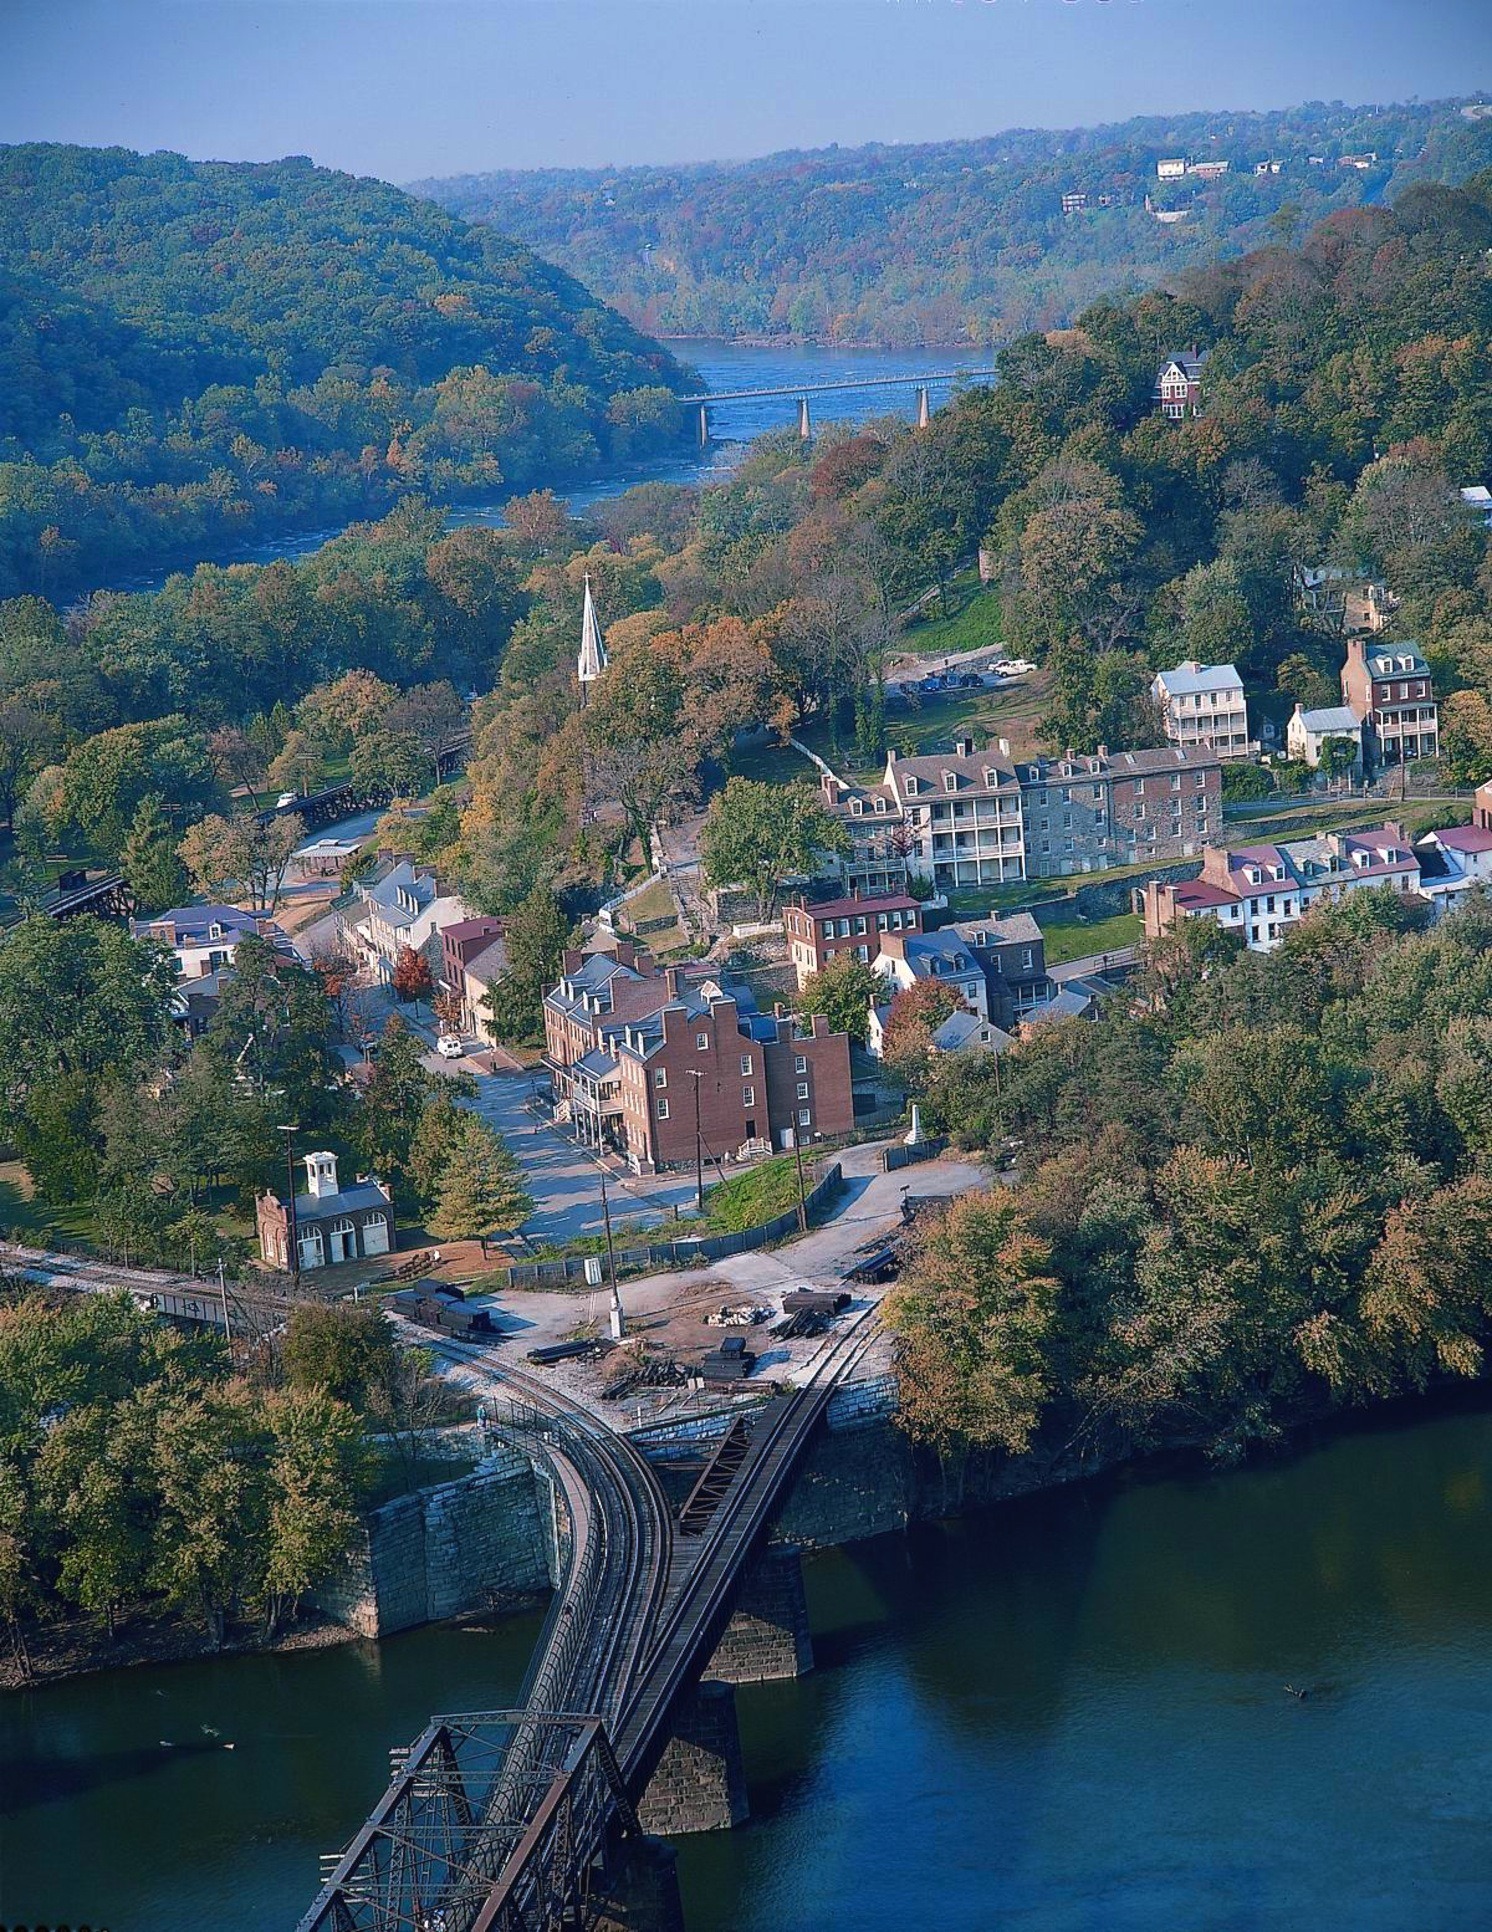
(519, 1820)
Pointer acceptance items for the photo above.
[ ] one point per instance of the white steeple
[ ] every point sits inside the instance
(592, 650)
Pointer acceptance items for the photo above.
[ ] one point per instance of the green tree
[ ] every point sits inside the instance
(844, 993)
(759, 836)
(481, 1188)
(319, 1470)
(241, 855)
(148, 861)
(212, 1462)
(537, 935)
(392, 761)
(345, 1349)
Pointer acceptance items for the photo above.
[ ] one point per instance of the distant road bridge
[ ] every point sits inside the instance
(802, 391)
(533, 1819)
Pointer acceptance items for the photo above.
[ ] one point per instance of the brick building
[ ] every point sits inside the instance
(634, 1051)
(1387, 687)
(332, 1223)
(472, 943)
(818, 933)
(1178, 384)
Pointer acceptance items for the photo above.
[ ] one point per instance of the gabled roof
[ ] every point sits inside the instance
(968, 770)
(962, 1029)
(1015, 929)
(1332, 718)
(850, 908)
(1401, 660)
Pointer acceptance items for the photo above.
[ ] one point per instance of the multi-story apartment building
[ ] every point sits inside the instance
(1086, 812)
(1261, 891)
(655, 1066)
(1388, 689)
(1203, 704)
(972, 818)
(818, 933)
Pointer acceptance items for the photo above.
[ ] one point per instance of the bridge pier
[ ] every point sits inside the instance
(922, 410)
(805, 424)
(704, 425)
(700, 1782)
(641, 1894)
(768, 1635)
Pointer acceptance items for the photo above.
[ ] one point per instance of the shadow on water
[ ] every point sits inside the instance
(28, 1782)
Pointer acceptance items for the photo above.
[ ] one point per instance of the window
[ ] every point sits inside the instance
(660, 1077)
(1176, 782)
(950, 781)
(805, 1117)
(800, 1063)
(860, 925)
(746, 1064)
(663, 1110)
(748, 1096)
(1139, 788)
(802, 1089)
(702, 1042)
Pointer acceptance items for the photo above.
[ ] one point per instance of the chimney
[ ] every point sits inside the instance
(672, 976)
(831, 788)
(1004, 746)
(643, 962)
(572, 960)
(779, 1011)
(1103, 751)
(890, 756)
(964, 747)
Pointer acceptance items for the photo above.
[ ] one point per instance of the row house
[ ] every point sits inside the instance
(203, 939)
(1087, 812)
(1204, 705)
(1261, 891)
(1458, 858)
(819, 933)
(473, 956)
(660, 1068)
(972, 818)
(404, 905)
(997, 966)
(1388, 689)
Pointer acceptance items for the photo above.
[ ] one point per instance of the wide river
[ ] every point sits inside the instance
(1067, 1715)
(724, 366)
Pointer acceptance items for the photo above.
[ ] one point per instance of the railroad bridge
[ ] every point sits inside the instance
(541, 1817)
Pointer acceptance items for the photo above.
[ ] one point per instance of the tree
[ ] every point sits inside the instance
(537, 935)
(412, 979)
(345, 1349)
(431, 713)
(844, 993)
(242, 855)
(393, 761)
(1466, 736)
(917, 1012)
(298, 765)
(105, 779)
(152, 871)
(212, 1459)
(759, 835)
(974, 1320)
(319, 1468)
(481, 1188)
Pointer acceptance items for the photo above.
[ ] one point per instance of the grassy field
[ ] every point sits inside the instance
(39, 1222)
(932, 725)
(1069, 936)
(973, 622)
(755, 1195)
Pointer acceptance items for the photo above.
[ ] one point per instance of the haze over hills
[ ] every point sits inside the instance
(963, 240)
(192, 352)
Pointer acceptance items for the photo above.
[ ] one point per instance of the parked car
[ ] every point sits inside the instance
(286, 798)
(931, 684)
(1014, 667)
(971, 681)
(450, 1048)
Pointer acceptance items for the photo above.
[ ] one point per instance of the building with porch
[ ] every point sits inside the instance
(332, 1223)
(1388, 689)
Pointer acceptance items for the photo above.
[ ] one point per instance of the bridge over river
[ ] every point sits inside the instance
(534, 1819)
(923, 381)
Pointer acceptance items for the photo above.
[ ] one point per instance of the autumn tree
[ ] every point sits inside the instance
(242, 855)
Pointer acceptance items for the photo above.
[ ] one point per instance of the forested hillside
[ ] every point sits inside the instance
(962, 240)
(193, 353)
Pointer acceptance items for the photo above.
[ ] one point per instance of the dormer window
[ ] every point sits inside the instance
(856, 808)
(911, 786)
(215, 930)
(880, 804)
(950, 781)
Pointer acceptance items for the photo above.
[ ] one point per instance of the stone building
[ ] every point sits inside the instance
(332, 1223)
(1087, 812)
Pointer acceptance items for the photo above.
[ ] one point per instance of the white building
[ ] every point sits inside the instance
(407, 906)
(1308, 731)
(1203, 705)
(1171, 170)
(203, 939)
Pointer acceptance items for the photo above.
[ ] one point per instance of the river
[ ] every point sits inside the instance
(1067, 1715)
(724, 366)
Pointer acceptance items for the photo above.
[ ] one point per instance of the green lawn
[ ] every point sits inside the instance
(1070, 937)
(40, 1224)
(756, 1195)
(972, 624)
(933, 723)
(774, 764)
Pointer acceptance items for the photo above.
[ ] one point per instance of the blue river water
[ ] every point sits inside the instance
(1064, 1715)
(723, 366)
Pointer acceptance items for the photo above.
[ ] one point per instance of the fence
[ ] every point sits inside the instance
(688, 1251)
(893, 1158)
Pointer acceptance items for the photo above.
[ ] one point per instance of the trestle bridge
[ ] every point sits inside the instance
(535, 1819)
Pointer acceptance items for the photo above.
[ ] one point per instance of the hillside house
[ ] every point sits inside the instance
(1309, 731)
(1388, 689)
(1203, 704)
(827, 930)
(1178, 384)
(203, 939)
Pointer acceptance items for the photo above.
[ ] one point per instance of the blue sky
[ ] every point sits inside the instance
(404, 88)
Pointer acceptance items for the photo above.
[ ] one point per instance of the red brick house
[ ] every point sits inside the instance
(818, 933)
(634, 1052)
(1178, 385)
(1387, 688)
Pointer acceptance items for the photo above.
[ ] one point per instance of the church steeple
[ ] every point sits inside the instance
(592, 651)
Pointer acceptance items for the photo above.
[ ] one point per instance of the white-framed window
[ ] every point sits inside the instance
(663, 1110)
(748, 1096)
(746, 1064)
(805, 1117)
(802, 1089)
(660, 1076)
(800, 1063)
(702, 1042)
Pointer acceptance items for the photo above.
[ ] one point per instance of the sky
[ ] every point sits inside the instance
(412, 88)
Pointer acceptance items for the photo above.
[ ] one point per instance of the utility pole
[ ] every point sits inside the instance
(223, 1296)
(292, 1231)
(614, 1312)
(699, 1147)
(802, 1192)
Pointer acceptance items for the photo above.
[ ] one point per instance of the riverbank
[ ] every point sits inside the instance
(78, 1647)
